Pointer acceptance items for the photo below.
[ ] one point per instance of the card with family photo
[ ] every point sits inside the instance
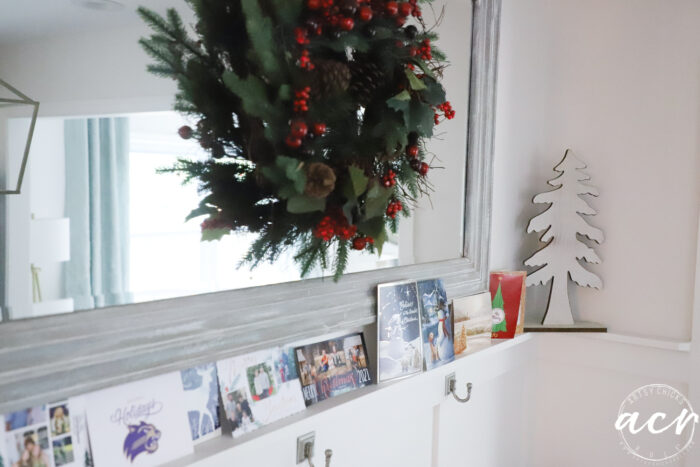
(400, 348)
(437, 324)
(44, 436)
(258, 389)
(472, 317)
(142, 423)
(333, 367)
(202, 401)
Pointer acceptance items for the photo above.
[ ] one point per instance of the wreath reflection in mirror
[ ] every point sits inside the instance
(315, 114)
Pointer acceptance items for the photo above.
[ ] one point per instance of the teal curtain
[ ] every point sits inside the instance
(97, 203)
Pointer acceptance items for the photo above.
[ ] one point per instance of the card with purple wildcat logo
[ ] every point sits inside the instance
(139, 424)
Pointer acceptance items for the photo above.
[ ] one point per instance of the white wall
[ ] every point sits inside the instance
(619, 83)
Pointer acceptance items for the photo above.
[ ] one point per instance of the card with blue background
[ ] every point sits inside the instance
(437, 323)
(202, 401)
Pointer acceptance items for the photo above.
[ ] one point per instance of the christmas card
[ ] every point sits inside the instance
(507, 303)
(45, 436)
(436, 324)
(333, 367)
(143, 423)
(400, 349)
(3, 457)
(202, 401)
(259, 388)
(472, 317)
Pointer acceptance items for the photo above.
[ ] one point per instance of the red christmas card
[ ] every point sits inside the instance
(507, 303)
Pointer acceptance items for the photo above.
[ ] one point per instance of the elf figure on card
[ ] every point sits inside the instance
(498, 315)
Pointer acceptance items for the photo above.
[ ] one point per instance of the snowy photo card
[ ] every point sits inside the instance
(400, 352)
(259, 388)
(472, 317)
(333, 367)
(143, 423)
(436, 324)
(202, 401)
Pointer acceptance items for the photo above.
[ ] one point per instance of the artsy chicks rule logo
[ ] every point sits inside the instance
(656, 424)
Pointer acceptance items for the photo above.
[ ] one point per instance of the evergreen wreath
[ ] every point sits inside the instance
(315, 114)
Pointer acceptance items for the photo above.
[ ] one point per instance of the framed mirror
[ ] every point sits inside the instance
(105, 282)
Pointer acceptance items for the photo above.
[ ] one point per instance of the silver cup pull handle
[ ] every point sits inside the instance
(453, 391)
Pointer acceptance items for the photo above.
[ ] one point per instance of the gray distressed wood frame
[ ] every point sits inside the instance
(47, 359)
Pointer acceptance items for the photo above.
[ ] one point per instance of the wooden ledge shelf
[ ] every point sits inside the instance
(427, 386)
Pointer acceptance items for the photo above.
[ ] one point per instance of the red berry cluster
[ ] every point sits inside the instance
(334, 224)
(412, 151)
(360, 242)
(389, 179)
(298, 129)
(403, 10)
(425, 51)
(305, 61)
(301, 37)
(301, 99)
(446, 109)
(394, 207)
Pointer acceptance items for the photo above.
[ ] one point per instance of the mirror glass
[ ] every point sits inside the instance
(98, 223)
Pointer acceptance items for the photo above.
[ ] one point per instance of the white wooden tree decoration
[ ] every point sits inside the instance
(563, 224)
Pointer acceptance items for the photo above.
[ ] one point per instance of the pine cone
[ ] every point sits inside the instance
(320, 180)
(367, 77)
(331, 77)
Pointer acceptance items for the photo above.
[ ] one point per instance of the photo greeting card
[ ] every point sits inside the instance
(3, 457)
(44, 436)
(507, 303)
(202, 401)
(472, 317)
(259, 388)
(436, 324)
(333, 367)
(400, 349)
(143, 423)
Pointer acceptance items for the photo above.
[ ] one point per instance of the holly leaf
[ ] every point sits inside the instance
(392, 131)
(358, 180)
(372, 227)
(434, 93)
(417, 116)
(251, 91)
(288, 11)
(413, 81)
(293, 171)
(302, 203)
(422, 119)
(424, 68)
(284, 93)
(377, 201)
(379, 241)
(210, 235)
(202, 210)
(287, 191)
